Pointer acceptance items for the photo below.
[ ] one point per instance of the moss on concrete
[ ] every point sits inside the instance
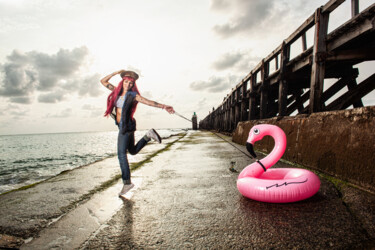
(337, 183)
(115, 178)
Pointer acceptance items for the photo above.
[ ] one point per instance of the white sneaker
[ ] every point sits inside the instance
(125, 189)
(152, 134)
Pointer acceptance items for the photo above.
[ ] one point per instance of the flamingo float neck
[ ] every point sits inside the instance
(257, 133)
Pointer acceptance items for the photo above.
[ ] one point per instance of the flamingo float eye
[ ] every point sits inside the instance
(256, 131)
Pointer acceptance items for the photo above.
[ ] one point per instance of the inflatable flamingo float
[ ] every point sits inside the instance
(280, 185)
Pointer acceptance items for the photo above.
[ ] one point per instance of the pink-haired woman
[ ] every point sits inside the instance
(123, 100)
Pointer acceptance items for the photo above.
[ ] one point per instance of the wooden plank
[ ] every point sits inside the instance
(331, 5)
(336, 87)
(355, 27)
(273, 54)
(301, 61)
(239, 85)
(318, 65)
(298, 104)
(301, 30)
(354, 94)
(274, 77)
(341, 70)
(361, 54)
(352, 84)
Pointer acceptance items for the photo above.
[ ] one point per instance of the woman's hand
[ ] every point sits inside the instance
(105, 80)
(169, 109)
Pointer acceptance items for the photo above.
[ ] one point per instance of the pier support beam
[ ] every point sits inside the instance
(264, 91)
(283, 87)
(318, 61)
(243, 112)
(252, 100)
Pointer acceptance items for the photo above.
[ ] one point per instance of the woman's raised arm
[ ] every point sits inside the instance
(148, 102)
(105, 80)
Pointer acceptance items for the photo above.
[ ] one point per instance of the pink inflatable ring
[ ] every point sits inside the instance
(280, 185)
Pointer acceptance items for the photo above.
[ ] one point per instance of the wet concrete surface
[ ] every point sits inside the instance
(187, 198)
(77, 226)
(24, 213)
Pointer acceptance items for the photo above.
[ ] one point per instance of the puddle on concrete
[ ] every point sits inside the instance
(74, 228)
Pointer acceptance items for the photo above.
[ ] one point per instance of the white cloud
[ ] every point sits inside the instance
(55, 75)
(259, 19)
(215, 84)
(62, 114)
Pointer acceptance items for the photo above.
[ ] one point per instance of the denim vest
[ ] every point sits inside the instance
(127, 123)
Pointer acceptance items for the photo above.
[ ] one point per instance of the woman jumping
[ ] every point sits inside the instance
(125, 98)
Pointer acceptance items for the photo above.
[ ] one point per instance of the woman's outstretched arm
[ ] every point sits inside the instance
(148, 102)
(105, 80)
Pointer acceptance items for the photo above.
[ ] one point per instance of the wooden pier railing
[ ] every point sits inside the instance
(296, 85)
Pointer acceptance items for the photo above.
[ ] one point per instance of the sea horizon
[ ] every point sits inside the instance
(92, 131)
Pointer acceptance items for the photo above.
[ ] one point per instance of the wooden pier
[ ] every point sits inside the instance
(296, 86)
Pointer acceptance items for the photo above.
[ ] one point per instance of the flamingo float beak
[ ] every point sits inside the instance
(250, 149)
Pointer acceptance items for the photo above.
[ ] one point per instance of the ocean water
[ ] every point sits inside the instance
(27, 159)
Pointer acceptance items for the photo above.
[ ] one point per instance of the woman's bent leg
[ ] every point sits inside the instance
(134, 149)
(122, 146)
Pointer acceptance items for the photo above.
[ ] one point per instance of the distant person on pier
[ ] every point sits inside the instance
(123, 100)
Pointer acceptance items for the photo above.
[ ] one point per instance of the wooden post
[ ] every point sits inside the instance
(252, 100)
(304, 43)
(218, 117)
(264, 91)
(215, 119)
(355, 8)
(231, 112)
(277, 62)
(236, 107)
(318, 61)
(227, 115)
(224, 116)
(243, 102)
(283, 88)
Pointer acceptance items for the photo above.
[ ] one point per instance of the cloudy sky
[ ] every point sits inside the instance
(189, 54)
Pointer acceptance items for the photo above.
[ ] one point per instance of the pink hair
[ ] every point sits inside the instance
(115, 93)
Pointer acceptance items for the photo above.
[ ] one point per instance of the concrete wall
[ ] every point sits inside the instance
(339, 143)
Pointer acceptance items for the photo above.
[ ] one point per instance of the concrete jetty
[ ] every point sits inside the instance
(186, 197)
